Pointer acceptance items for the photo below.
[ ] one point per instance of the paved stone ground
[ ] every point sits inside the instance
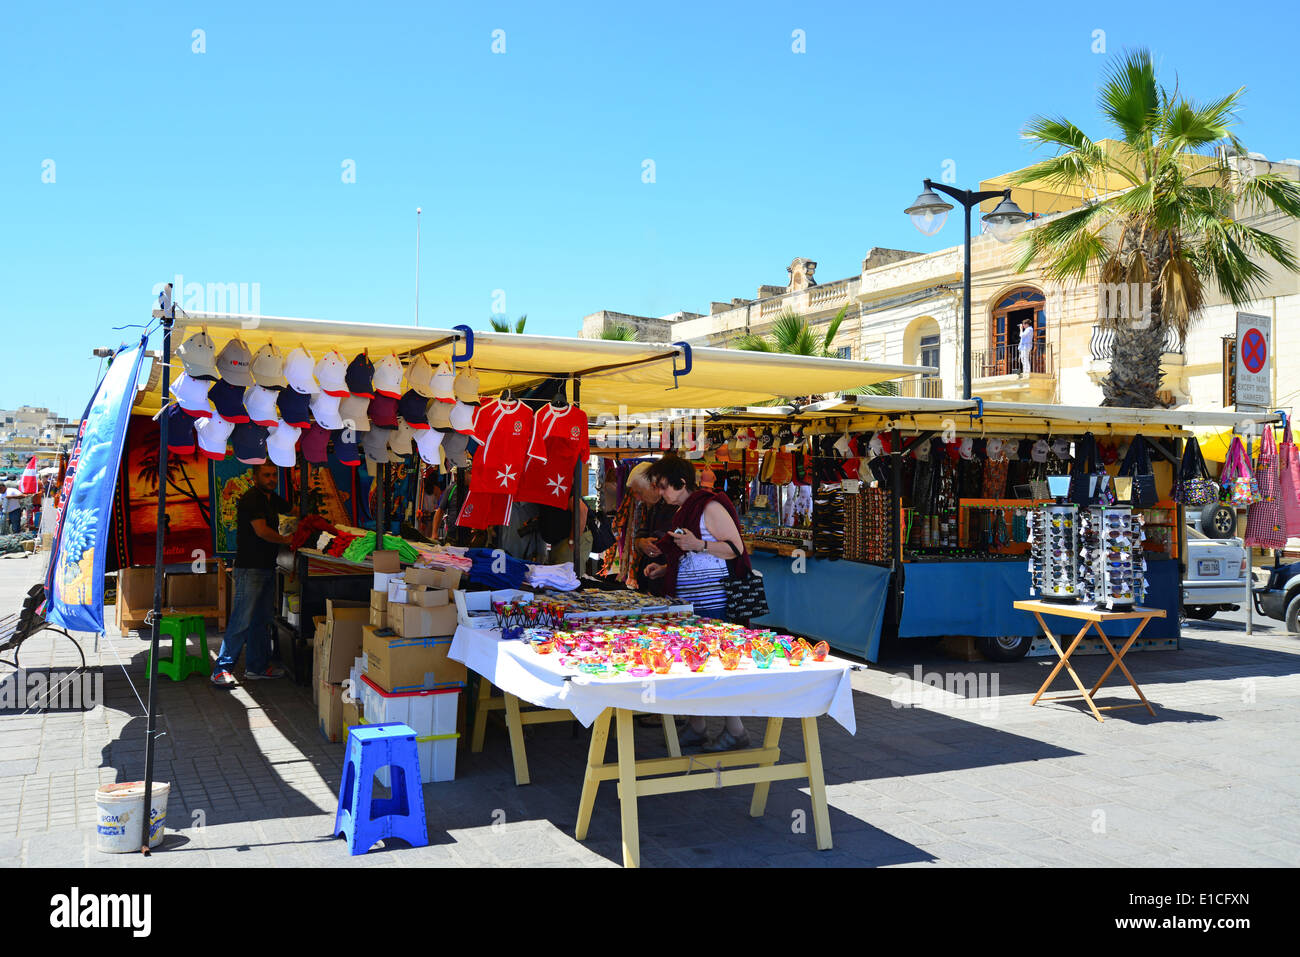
(1214, 780)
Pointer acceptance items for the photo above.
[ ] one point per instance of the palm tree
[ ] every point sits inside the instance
(503, 325)
(791, 334)
(1171, 228)
(621, 332)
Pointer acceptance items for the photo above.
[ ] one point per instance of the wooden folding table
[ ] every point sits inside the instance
(1092, 618)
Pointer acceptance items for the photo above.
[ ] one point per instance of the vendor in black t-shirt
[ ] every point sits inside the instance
(257, 542)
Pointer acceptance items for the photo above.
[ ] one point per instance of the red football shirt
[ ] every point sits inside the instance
(559, 441)
(503, 432)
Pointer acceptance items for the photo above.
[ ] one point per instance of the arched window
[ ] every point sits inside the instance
(1008, 312)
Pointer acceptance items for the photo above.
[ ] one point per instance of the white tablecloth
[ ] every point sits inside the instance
(811, 690)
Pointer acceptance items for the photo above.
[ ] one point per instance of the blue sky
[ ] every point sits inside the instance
(226, 166)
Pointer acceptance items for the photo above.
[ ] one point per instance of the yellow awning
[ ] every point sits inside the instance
(637, 376)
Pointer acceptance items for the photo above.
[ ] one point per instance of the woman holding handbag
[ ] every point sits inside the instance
(702, 552)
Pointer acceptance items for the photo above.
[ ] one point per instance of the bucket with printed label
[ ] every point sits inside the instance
(121, 813)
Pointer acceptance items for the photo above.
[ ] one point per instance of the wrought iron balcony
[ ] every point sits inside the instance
(1103, 343)
(1005, 360)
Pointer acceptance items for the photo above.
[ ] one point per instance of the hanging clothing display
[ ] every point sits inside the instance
(503, 431)
(559, 442)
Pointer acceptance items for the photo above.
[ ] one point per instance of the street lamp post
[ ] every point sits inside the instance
(929, 213)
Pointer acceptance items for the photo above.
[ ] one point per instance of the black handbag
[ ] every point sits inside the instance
(746, 597)
(1137, 465)
(1082, 476)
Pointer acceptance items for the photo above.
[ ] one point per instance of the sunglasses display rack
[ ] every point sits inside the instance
(1114, 564)
(1054, 553)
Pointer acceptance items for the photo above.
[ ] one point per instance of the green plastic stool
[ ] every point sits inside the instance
(182, 664)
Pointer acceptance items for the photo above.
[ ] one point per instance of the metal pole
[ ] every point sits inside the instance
(417, 265)
(1250, 589)
(157, 591)
(965, 306)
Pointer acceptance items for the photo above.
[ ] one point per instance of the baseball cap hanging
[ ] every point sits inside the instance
(411, 407)
(400, 441)
(198, 356)
(298, 366)
(293, 407)
(465, 387)
(354, 410)
(331, 373)
(345, 447)
(439, 414)
(281, 444)
(360, 377)
(315, 444)
(228, 400)
(268, 368)
(388, 377)
(375, 444)
(455, 447)
(192, 395)
(325, 410)
(181, 438)
(259, 402)
(462, 417)
(444, 384)
(249, 441)
(419, 376)
(427, 444)
(235, 362)
(383, 410)
(212, 434)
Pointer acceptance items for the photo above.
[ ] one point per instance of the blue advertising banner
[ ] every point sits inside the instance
(75, 586)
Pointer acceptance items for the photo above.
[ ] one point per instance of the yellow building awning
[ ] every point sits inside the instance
(636, 376)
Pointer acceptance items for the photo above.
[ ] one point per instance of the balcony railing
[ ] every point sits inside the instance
(926, 387)
(1005, 360)
(1103, 343)
(824, 295)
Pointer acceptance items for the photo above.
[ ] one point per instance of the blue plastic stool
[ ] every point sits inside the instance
(361, 817)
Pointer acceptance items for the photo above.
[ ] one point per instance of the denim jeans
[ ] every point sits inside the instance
(16, 521)
(252, 609)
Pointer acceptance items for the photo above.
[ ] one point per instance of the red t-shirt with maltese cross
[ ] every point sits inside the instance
(503, 432)
(559, 441)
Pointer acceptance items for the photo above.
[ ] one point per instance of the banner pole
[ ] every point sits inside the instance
(157, 586)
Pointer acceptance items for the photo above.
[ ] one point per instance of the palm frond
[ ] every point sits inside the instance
(1130, 98)
(1182, 294)
(621, 332)
(1259, 192)
(833, 329)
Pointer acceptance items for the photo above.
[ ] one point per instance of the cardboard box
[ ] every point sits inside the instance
(344, 621)
(379, 618)
(397, 591)
(351, 717)
(418, 621)
(330, 711)
(386, 560)
(474, 608)
(379, 600)
(318, 655)
(399, 664)
(448, 578)
(428, 597)
(383, 578)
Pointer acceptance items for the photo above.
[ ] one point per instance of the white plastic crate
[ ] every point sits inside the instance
(437, 757)
(431, 712)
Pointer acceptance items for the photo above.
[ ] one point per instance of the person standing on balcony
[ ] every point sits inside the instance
(1026, 345)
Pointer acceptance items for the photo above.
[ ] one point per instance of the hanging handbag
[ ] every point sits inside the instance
(746, 597)
(1240, 486)
(1082, 475)
(1289, 482)
(1264, 518)
(1137, 465)
(1194, 485)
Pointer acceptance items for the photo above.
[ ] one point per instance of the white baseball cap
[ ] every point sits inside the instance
(260, 403)
(191, 394)
(1061, 447)
(213, 433)
(388, 376)
(198, 355)
(444, 384)
(298, 370)
(282, 443)
(1039, 451)
(966, 449)
(268, 368)
(995, 449)
(355, 409)
(400, 440)
(466, 386)
(325, 410)
(331, 372)
(428, 442)
(419, 376)
(842, 445)
(462, 417)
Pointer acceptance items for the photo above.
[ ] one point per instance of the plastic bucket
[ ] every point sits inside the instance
(121, 813)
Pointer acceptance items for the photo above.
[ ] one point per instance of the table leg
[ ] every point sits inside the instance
(1118, 659)
(480, 714)
(1059, 653)
(771, 738)
(670, 736)
(516, 729)
(590, 783)
(627, 789)
(817, 784)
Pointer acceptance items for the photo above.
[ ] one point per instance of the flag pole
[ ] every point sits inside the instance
(168, 314)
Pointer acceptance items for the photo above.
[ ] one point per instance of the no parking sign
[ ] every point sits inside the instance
(1254, 362)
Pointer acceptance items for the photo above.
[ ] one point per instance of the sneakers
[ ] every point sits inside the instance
(688, 737)
(272, 671)
(223, 679)
(727, 741)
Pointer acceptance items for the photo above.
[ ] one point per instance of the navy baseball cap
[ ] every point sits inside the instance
(294, 408)
(383, 411)
(360, 377)
(249, 441)
(229, 401)
(413, 407)
(315, 444)
(346, 452)
(180, 431)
